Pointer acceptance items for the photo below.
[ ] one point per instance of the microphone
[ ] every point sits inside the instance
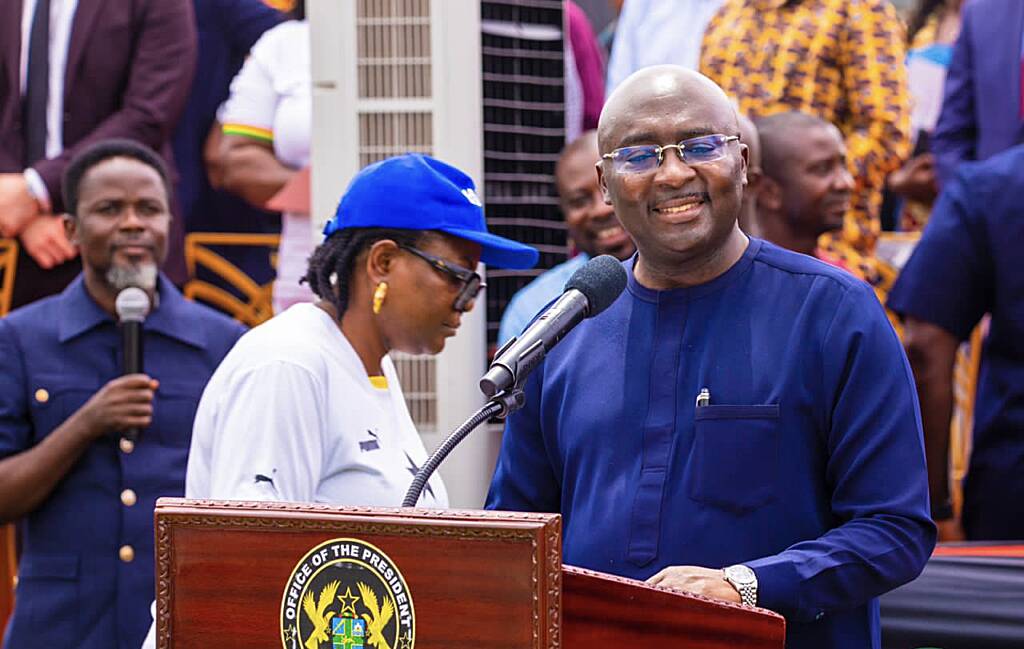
(589, 291)
(132, 307)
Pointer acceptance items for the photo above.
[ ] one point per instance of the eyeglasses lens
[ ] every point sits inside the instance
(641, 159)
(468, 293)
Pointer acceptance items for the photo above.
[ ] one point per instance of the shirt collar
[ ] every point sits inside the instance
(693, 292)
(79, 313)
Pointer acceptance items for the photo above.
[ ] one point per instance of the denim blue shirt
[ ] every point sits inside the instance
(806, 463)
(967, 264)
(73, 587)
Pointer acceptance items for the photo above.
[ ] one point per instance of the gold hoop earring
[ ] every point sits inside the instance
(378, 296)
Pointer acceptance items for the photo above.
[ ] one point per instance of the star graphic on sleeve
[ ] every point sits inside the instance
(348, 602)
(413, 469)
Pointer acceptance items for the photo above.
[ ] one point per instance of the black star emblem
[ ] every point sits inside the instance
(413, 469)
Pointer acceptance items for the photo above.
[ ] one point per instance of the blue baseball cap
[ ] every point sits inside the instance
(417, 192)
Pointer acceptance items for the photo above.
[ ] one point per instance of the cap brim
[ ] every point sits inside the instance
(499, 251)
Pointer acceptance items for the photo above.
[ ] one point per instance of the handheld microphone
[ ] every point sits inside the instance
(132, 306)
(589, 291)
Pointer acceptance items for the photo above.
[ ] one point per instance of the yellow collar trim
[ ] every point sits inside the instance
(379, 382)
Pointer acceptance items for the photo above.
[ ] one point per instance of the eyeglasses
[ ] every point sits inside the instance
(471, 282)
(648, 157)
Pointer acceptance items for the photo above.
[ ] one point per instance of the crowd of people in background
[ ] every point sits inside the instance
(125, 124)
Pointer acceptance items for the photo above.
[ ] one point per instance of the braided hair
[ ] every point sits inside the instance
(335, 260)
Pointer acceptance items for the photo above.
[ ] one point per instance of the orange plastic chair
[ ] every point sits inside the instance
(255, 306)
(965, 389)
(8, 549)
(8, 262)
(8, 573)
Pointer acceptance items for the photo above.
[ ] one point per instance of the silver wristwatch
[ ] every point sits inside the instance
(744, 581)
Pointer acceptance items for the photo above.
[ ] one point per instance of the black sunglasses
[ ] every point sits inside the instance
(471, 282)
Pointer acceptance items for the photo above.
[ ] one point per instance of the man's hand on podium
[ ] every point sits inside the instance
(697, 580)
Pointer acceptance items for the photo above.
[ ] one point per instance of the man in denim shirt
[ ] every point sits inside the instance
(82, 487)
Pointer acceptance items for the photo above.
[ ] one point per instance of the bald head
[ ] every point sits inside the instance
(806, 188)
(783, 137)
(645, 94)
(750, 137)
(583, 149)
(681, 210)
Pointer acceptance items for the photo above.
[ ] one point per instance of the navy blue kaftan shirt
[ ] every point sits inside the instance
(807, 464)
(969, 263)
(86, 571)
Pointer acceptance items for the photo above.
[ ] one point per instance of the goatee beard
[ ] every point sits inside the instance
(140, 275)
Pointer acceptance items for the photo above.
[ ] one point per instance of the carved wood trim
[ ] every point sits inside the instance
(462, 524)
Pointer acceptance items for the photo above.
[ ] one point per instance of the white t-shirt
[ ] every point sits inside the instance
(290, 415)
(272, 93)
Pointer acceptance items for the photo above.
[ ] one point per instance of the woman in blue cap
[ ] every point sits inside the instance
(307, 406)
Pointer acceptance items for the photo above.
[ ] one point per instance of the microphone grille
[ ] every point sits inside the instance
(132, 304)
(601, 280)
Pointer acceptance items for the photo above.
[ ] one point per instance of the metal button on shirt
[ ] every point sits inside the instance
(127, 445)
(128, 498)
(126, 553)
(42, 395)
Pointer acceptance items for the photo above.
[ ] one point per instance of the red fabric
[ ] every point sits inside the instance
(589, 63)
(979, 551)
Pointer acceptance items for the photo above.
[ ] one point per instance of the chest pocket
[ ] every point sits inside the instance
(55, 398)
(174, 410)
(736, 451)
(48, 607)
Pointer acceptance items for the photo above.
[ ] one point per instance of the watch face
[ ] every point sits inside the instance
(741, 574)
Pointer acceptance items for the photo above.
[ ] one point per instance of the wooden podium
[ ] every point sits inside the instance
(270, 575)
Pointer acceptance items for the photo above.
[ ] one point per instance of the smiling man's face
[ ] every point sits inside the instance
(676, 212)
(592, 224)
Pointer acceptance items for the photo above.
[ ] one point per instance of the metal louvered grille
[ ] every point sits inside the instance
(524, 131)
(394, 66)
(394, 48)
(382, 135)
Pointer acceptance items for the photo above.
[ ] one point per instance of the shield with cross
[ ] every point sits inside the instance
(348, 633)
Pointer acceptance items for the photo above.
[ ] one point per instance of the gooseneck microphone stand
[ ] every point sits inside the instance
(500, 405)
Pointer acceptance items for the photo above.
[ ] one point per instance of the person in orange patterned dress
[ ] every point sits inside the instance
(840, 60)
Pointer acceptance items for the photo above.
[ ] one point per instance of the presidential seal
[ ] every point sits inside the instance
(347, 594)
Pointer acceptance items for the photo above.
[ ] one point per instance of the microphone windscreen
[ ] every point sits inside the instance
(132, 304)
(601, 280)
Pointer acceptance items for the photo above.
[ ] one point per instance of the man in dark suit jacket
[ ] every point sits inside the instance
(982, 112)
(129, 65)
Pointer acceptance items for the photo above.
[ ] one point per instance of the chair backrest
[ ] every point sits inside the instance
(8, 573)
(250, 303)
(8, 549)
(965, 390)
(8, 261)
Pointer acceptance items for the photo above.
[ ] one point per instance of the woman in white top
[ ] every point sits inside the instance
(266, 137)
(307, 406)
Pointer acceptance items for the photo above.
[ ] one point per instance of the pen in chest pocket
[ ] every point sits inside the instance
(703, 398)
